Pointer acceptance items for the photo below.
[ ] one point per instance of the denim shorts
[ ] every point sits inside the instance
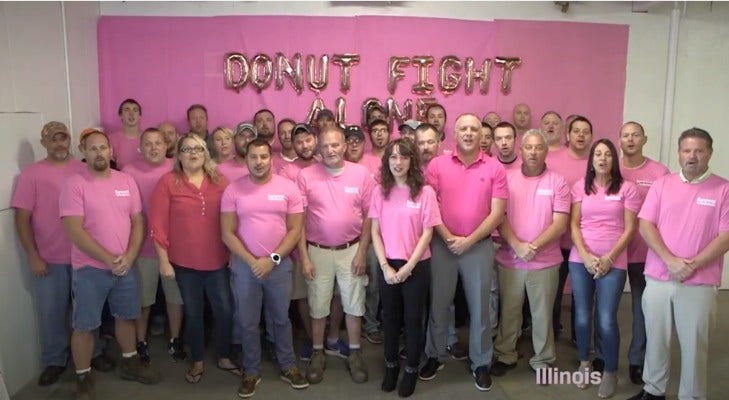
(91, 287)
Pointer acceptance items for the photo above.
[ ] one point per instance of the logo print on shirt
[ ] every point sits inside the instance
(412, 204)
(122, 193)
(276, 197)
(351, 190)
(614, 197)
(640, 182)
(705, 202)
(545, 192)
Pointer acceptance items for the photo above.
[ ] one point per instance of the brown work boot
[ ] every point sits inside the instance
(356, 366)
(133, 369)
(85, 386)
(317, 365)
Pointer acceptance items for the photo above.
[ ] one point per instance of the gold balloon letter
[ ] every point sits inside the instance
(449, 82)
(395, 73)
(508, 64)
(236, 71)
(294, 73)
(261, 81)
(345, 61)
(318, 83)
(423, 87)
(482, 75)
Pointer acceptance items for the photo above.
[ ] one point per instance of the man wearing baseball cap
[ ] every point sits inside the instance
(236, 168)
(407, 129)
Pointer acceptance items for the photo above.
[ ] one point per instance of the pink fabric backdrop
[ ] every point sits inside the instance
(168, 63)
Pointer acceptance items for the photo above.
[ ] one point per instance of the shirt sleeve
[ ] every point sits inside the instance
(431, 211)
(431, 175)
(376, 203)
(369, 185)
(301, 184)
(71, 200)
(24, 195)
(500, 187)
(295, 201)
(631, 196)
(136, 196)
(651, 205)
(159, 211)
(724, 212)
(562, 197)
(578, 191)
(227, 201)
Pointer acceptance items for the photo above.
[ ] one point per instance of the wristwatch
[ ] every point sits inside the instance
(276, 258)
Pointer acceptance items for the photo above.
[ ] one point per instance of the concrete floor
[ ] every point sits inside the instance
(453, 382)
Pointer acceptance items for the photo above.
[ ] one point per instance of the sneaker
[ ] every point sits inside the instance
(483, 379)
(85, 386)
(357, 367)
(430, 369)
(643, 395)
(306, 350)
(50, 375)
(636, 374)
(499, 368)
(102, 363)
(317, 365)
(176, 350)
(340, 349)
(133, 369)
(143, 351)
(407, 384)
(457, 352)
(374, 337)
(293, 377)
(389, 382)
(248, 385)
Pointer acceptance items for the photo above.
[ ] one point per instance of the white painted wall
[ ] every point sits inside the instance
(36, 76)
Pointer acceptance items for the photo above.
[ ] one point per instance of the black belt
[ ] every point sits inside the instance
(337, 247)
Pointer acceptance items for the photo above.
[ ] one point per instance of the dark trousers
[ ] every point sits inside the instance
(405, 303)
(557, 311)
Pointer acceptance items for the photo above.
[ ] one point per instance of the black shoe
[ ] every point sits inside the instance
(483, 379)
(457, 352)
(50, 375)
(143, 351)
(85, 386)
(176, 350)
(430, 369)
(636, 374)
(499, 368)
(598, 365)
(102, 363)
(390, 380)
(643, 395)
(407, 384)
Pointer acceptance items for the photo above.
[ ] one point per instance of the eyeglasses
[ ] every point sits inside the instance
(354, 141)
(191, 150)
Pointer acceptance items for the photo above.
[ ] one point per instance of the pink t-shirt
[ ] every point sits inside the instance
(530, 209)
(603, 219)
(37, 191)
(688, 217)
(572, 169)
(336, 205)
(465, 193)
(373, 164)
(233, 169)
(403, 220)
(262, 211)
(147, 176)
(643, 177)
(291, 170)
(106, 206)
(126, 150)
(279, 162)
(516, 164)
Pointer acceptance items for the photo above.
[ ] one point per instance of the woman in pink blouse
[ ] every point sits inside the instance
(185, 225)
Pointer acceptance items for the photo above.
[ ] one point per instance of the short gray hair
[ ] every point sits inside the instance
(534, 132)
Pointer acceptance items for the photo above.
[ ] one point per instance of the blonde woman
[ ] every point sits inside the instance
(224, 149)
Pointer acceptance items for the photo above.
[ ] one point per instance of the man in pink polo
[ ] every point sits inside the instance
(270, 206)
(147, 172)
(528, 259)
(687, 237)
(101, 211)
(642, 171)
(41, 234)
(463, 245)
(571, 163)
(126, 142)
(334, 245)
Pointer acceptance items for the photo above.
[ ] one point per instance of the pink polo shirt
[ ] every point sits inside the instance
(233, 169)
(262, 211)
(688, 217)
(532, 202)
(403, 220)
(37, 191)
(336, 205)
(603, 219)
(465, 192)
(643, 177)
(126, 150)
(185, 220)
(106, 206)
(147, 176)
(572, 169)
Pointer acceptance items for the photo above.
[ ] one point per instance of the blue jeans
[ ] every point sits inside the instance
(274, 293)
(215, 285)
(604, 293)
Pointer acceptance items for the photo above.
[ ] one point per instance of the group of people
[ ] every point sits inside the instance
(251, 225)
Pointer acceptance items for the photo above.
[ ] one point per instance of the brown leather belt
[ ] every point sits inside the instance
(337, 247)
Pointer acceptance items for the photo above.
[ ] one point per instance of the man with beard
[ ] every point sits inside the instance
(101, 211)
(551, 126)
(334, 245)
(147, 172)
(407, 129)
(41, 234)
(505, 143)
(271, 206)
(436, 115)
(236, 168)
(379, 136)
(197, 121)
(355, 153)
(126, 142)
(522, 119)
(170, 133)
(287, 154)
(265, 123)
